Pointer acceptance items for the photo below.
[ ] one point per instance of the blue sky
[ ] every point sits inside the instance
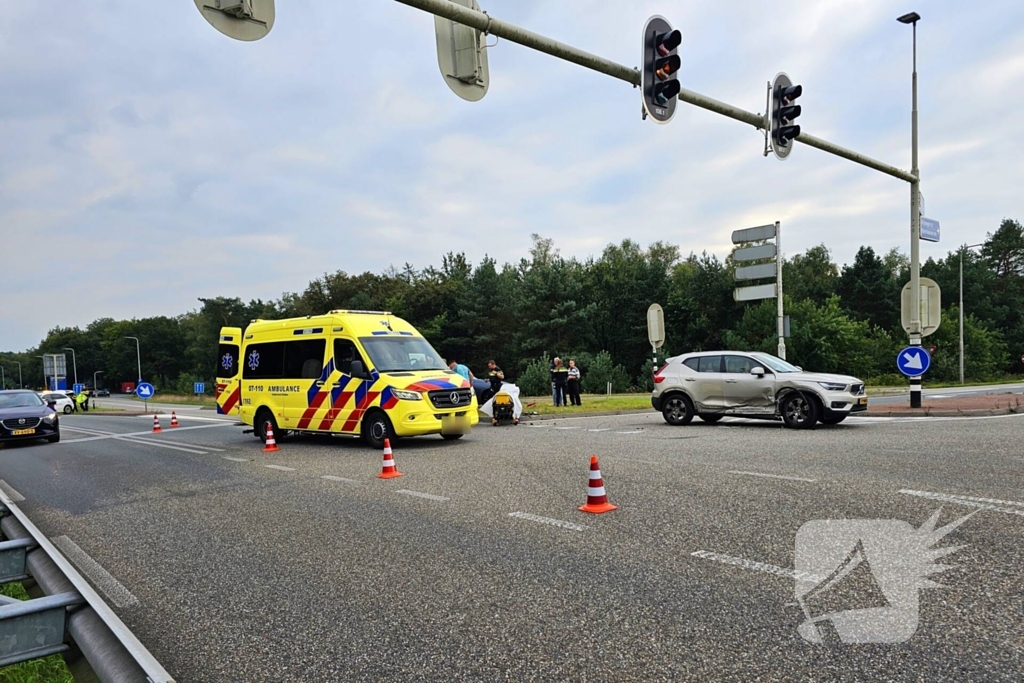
(148, 160)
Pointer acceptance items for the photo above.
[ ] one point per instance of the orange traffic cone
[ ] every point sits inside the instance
(174, 419)
(389, 471)
(156, 424)
(271, 445)
(597, 499)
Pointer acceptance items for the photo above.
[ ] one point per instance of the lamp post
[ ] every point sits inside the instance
(46, 385)
(95, 386)
(138, 358)
(962, 250)
(3, 379)
(74, 362)
(20, 384)
(915, 221)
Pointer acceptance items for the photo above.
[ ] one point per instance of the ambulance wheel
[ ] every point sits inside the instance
(451, 437)
(376, 428)
(264, 418)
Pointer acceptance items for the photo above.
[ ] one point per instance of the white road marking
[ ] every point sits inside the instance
(11, 493)
(146, 433)
(165, 416)
(565, 429)
(94, 432)
(343, 480)
(971, 501)
(606, 429)
(635, 431)
(538, 426)
(97, 575)
(428, 496)
(769, 476)
(756, 566)
(547, 520)
(281, 467)
(158, 444)
(227, 457)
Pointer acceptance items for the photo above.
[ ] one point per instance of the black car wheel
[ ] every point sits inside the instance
(54, 439)
(677, 410)
(799, 411)
(451, 437)
(833, 420)
(264, 419)
(376, 428)
(711, 419)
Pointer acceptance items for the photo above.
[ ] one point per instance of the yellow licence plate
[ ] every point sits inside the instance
(23, 432)
(864, 401)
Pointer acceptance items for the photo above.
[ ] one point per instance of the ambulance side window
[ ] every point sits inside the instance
(263, 361)
(345, 352)
(304, 359)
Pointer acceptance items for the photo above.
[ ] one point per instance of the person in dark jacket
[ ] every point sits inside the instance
(559, 379)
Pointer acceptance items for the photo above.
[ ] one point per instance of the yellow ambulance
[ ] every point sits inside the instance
(363, 373)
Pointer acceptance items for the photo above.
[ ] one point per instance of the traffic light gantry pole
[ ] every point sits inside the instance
(516, 34)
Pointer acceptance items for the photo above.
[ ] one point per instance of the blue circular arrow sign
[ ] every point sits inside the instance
(913, 361)
(145, 390)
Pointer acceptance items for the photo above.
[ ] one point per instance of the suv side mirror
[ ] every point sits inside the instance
(759, 371)
(357, 369)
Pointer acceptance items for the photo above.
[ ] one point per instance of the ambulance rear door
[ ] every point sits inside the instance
(228, 371)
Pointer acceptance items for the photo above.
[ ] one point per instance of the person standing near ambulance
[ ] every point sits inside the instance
(559, 380)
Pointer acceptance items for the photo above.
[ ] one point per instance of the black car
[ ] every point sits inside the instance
(102, 392)
(23, 415)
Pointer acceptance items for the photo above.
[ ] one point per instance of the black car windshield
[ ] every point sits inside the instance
(19, 399)
(401, 354)
(774, 363)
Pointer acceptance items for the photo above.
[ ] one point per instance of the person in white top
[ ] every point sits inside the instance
(573, 384)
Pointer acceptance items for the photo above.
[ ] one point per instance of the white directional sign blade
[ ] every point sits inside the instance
(913, 361)
(754, 293)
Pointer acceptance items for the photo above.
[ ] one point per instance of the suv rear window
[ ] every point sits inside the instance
(692, 363)
(710, 364)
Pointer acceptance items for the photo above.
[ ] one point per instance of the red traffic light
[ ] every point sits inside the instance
(665, 43)
(790, 93)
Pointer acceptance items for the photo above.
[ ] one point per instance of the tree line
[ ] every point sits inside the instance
(522, 314)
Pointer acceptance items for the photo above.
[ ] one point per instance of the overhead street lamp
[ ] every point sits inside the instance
(74, 363)
(138, 358)
(962, 250)
(915, 221)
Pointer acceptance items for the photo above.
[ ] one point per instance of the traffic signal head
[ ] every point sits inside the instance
(784, 113)
(659, 76)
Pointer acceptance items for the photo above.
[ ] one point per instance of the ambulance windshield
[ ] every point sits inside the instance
(401, 354)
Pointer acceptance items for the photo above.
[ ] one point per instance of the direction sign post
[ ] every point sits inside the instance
(929, 229)
(913, 361)
(145, 391)
(656, 330)
(761, 271)
(199, 388)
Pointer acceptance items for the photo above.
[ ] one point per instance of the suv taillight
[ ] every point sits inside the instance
(658, 377)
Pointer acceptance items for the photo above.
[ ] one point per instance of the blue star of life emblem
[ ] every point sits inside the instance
(227, 361)
(254, 360)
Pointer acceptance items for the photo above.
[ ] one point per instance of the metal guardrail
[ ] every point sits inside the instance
(71, 609)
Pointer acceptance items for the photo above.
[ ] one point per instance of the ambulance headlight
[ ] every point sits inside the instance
(407, 395)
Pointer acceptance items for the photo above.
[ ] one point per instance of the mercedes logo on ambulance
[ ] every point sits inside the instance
(454, 396)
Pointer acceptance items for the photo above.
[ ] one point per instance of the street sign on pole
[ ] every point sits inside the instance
(764, 251)
(462, 56)
(145, 391)
(760, 272)
(929, 230)
(656, 326)
(931, 306)
(239, 19)
(761, 232)
(200, 387)
(913, 361)
(754, 293)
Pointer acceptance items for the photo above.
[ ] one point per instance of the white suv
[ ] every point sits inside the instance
(713, 384)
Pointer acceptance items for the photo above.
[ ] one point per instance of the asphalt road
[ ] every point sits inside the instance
(314, 570)
(949, 392)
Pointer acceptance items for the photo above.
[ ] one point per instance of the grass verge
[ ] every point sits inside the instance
(591, 404)
(47, 670)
